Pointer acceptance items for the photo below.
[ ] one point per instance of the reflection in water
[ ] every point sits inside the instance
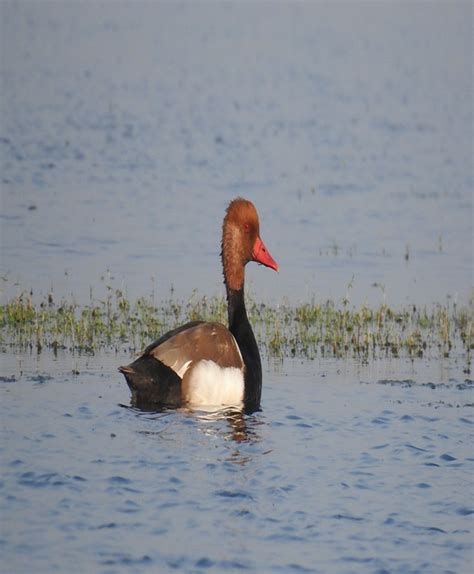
(242, 427)
(239, 429)
(232, 424)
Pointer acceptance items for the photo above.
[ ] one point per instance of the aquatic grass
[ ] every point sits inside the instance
(305, 330)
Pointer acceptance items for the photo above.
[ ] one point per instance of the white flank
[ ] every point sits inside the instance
(209, 384)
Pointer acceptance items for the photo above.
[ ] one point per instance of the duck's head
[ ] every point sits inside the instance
(241, 242)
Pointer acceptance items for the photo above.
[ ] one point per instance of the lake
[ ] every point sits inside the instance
(347, 468)
(126, 129)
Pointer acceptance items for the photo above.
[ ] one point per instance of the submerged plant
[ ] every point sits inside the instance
(305, 330)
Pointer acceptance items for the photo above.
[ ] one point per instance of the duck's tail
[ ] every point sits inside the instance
(151, 381)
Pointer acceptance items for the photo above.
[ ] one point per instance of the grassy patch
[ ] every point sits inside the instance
(306, 330)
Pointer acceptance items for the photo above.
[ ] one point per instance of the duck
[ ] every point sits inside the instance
(206, 364)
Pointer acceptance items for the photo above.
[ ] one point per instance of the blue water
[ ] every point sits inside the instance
(127, 128)
(348, 468)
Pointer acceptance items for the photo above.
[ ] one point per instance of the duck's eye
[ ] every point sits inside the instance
(247, 227)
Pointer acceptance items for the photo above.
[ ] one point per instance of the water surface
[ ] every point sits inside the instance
(348, 468)
(126, 130)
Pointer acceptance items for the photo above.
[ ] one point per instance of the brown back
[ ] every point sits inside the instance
(201, 341)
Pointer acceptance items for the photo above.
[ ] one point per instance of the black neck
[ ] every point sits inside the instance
(240, 327)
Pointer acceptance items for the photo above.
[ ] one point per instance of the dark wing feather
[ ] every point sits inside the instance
(152, 382)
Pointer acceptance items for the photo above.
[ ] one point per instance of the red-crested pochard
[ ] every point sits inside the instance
(208, 364)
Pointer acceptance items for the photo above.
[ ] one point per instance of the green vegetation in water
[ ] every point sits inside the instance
(306, 330)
